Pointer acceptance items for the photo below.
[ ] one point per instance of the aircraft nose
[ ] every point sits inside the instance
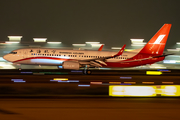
(6, 57)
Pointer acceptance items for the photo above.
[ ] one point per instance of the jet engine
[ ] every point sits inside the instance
(71, 65)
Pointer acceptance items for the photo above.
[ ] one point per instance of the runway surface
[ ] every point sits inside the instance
(15, 83)
(90, 109)
(104, 76)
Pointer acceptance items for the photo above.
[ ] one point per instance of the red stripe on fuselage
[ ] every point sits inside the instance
(51, 58)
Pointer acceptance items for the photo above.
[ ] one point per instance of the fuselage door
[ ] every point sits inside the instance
(25, 53)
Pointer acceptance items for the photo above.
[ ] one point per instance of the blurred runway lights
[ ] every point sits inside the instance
(141, 91)
(153, 72)
(125, 77)
(64, 81)
(18, 80)
(83, 85)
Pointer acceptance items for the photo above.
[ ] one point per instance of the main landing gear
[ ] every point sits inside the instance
(86, 71)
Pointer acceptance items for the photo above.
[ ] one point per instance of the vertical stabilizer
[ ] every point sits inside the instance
(157, 43)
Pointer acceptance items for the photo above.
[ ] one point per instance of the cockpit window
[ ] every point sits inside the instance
(13, 53)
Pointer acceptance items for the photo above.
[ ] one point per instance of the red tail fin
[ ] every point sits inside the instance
(157, 43)
(101, 47)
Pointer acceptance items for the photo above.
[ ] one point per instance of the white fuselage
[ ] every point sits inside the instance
(58, 56)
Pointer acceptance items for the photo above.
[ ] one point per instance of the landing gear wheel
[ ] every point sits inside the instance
(19, 66)
(87, 72)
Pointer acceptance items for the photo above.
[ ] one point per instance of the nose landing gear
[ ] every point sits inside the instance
(19, 66)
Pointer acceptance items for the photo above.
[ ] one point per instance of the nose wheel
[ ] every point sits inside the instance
(19, 66)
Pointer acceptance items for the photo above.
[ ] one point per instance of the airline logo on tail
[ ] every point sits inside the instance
(159, 39)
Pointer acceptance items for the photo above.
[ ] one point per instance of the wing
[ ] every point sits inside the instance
(98, 62)
(147, 58)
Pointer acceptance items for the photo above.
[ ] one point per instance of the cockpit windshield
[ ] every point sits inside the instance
(13, 53)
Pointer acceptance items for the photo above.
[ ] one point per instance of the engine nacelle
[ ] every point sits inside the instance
(71, 65)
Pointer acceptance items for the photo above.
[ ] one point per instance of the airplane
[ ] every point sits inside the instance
(75, 59)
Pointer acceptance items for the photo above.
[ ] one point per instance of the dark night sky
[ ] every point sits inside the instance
(112, 22)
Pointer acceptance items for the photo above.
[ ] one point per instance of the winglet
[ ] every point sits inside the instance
(120, 51)
(101, 47)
